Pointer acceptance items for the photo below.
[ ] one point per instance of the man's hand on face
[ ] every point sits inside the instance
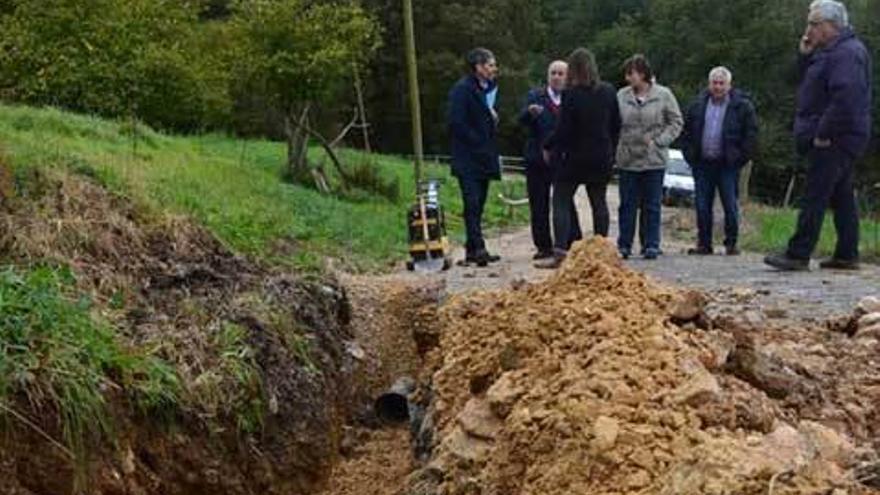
(535, 110)
(806, 46)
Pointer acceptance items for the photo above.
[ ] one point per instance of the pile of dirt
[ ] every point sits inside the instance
(600, 380)
(262, 416)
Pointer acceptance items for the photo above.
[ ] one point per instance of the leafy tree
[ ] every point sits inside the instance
(295, 55)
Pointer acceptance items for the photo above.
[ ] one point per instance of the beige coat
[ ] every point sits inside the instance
(658, 117)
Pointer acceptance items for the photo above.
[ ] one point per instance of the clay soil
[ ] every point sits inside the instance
(600, 380)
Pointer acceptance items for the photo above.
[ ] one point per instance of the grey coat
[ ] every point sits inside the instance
(658, 117)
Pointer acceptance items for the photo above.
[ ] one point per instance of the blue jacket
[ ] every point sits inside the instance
(540, 127)
(834, 97)
(472, 130)
(739, 132)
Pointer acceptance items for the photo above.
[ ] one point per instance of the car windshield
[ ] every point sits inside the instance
(678, 167)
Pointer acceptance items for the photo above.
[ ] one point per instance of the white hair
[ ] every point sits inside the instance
(722, 72)
(832, 11)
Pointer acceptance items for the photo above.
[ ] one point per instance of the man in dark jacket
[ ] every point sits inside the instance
(540, 116)
(472, 121)
(719, 138)
(832, 127)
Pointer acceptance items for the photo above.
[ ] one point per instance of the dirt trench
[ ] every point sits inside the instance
(602, 380)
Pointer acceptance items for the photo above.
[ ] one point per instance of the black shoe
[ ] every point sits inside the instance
(651, 253)
(481, 258)
(783, 261)
(624, 253)
(701, 251)
(542, 255)
(732, 251)
(839, 264)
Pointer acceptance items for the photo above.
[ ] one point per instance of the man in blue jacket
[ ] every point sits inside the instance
(472, 123)
(540, 116)
(719, 138)
(832, 127)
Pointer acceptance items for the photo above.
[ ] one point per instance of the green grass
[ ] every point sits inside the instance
(56, 357)
(234, 187)
(771, 229)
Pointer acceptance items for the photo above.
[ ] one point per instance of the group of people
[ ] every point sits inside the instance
(581, 129)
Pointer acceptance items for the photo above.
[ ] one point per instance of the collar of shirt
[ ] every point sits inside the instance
(555, 97)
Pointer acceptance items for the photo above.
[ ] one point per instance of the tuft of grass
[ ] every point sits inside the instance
(56, 357)
(771, 228)
(235, 187)
(233, 387)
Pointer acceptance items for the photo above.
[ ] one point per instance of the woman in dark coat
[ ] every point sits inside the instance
(586, 139)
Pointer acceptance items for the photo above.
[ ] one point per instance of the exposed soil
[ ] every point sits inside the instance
(583, 383)
(168, 285)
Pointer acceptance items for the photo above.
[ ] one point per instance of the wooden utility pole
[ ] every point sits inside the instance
(412, 70)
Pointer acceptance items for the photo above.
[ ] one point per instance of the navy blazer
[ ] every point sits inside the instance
(834, 96)
(739, 131)
(472, 131)
(540, 127)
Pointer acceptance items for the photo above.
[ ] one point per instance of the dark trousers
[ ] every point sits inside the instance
(473, 195)
(829, 183)
(708, 178)
(539, 180)
(640, 190)
(565, 212)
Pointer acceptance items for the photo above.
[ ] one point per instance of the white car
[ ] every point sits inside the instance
(678, 182)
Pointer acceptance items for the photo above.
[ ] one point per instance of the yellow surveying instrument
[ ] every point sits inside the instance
(428, 242)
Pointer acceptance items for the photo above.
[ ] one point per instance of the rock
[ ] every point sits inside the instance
(355, 350)
(719, 345)
(776, 313)
(127, 462)
(689, 307)
(786, 448)
(638, 479)
(702, 387)
(871, 333)
(605, 432)
(828, 444)
(743, 294)
(870, 304)
(478, 420)
(763, 371)
(502, 395)
(869, 320)
(466, 447)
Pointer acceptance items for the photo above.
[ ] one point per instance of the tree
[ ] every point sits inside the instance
(111, 57)
(297, 55)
